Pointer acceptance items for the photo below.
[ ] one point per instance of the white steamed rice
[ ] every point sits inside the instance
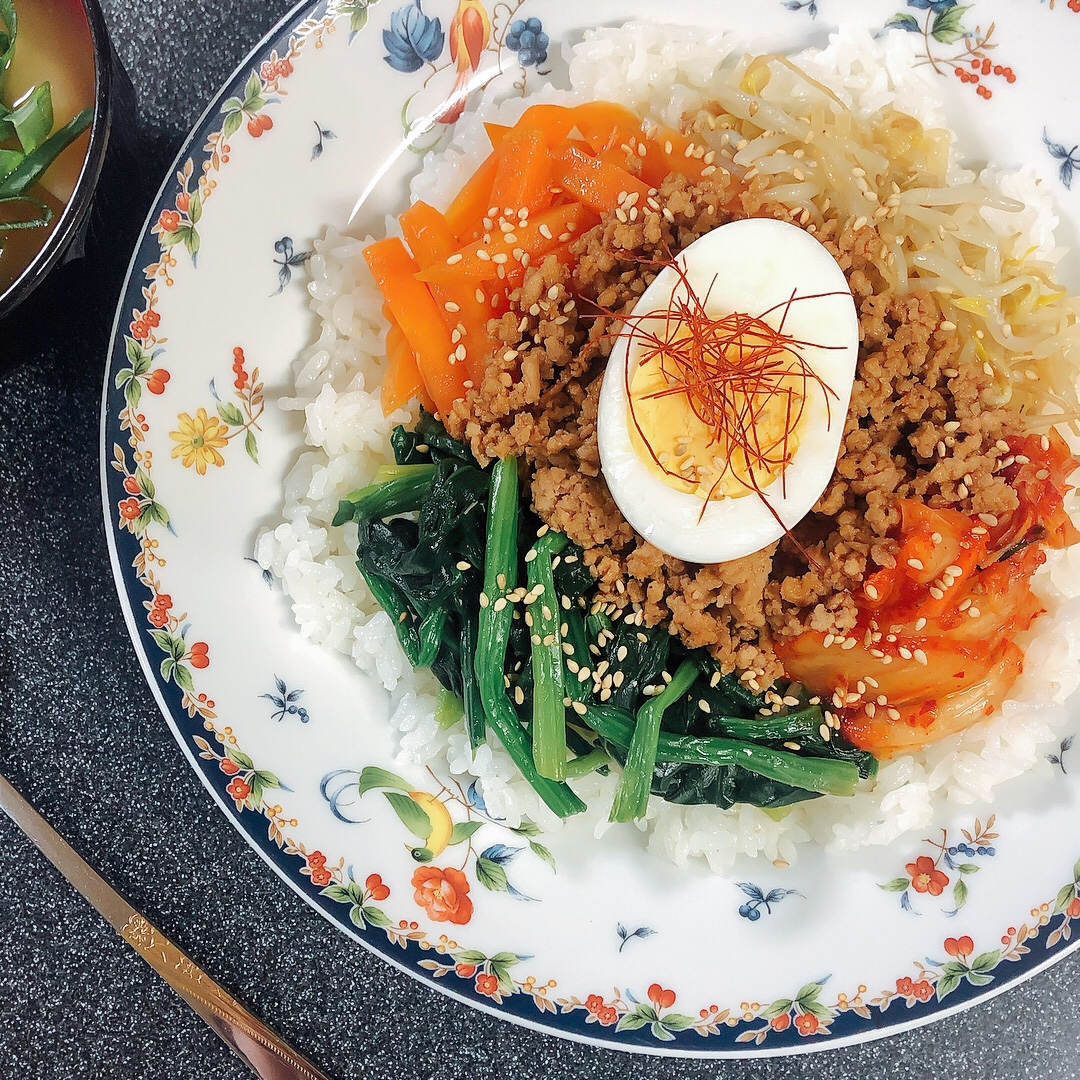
(665, 71)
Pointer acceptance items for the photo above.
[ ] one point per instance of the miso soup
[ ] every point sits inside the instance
(47, 86)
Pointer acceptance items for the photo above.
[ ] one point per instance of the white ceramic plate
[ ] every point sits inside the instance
(617, 947)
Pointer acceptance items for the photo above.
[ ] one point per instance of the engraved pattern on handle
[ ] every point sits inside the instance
(190, 981)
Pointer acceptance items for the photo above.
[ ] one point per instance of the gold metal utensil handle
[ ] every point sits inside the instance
(264, 1051)
(267, 1054)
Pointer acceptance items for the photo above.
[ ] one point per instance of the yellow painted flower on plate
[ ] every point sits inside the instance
(198, 440)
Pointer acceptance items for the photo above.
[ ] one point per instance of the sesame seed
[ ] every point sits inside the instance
(920, 657)
(790, 702)
(850, 643)
(919, 624)
(872, 592)
(455, 258)
(829, 639)
(579, 707)
(973, 612)
(915, 564)
(704, 706)
(871, 708)
(936, 593)
(484, 601)
(988, 519)
(824, 732)
(519, 695)
(894, 714)
(792, 745)
(905, 652)
(480, 254)
(530, 555)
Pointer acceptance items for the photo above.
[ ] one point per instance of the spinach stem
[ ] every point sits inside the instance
(803, 724)
(385, 499)
(587, 763)
(632, 795)
(828, 776)
(500, 577)
(549, 713)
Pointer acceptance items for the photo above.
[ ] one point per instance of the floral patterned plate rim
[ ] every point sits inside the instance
(292, 742)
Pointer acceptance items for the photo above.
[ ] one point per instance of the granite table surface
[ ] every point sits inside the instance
(82, 737)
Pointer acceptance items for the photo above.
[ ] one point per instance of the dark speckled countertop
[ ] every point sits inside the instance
(82, 737)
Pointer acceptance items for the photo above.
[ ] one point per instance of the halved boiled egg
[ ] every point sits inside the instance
(725, 396)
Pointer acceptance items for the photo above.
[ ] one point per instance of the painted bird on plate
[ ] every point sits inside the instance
(470, 33)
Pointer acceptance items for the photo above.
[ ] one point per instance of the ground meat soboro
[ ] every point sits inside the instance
(923, 423)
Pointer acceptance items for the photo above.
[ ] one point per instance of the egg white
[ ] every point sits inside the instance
(750, 266)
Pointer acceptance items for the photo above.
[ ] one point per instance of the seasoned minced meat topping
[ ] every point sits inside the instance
(922, 423)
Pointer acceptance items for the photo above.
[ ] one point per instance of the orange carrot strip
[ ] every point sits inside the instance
(606, 126)
(480, 262)
(597, 184)
(664, 161)
(418, 315)
(428, 235)
(523, 179)
(555, 121)
(402, 381)
(496, 133)
(466, 213)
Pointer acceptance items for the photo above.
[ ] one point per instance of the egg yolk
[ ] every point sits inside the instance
(731, 440)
